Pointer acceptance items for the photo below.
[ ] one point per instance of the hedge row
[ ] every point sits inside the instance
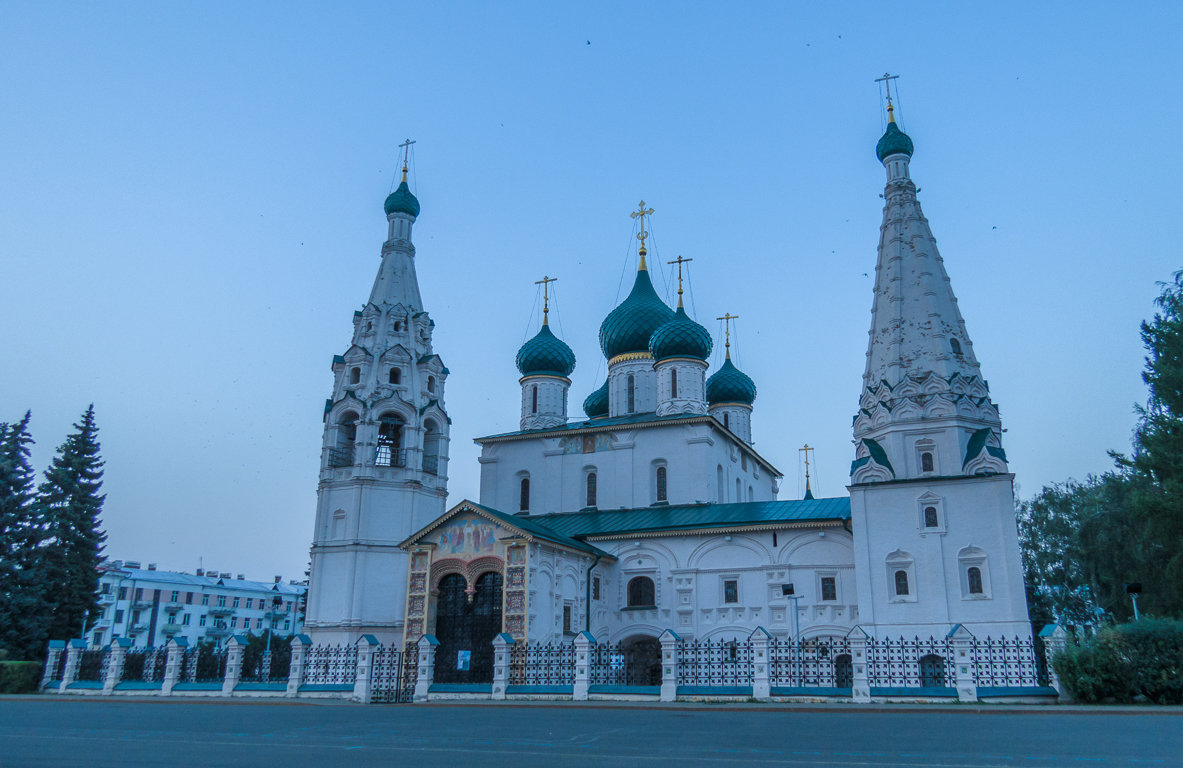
(1143, 658)
(20, 676)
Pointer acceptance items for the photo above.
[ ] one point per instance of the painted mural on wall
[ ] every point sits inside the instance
(466, 537)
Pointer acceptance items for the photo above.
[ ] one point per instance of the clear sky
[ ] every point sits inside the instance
(191, 210)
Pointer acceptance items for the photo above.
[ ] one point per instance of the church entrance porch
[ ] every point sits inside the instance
(465, 625)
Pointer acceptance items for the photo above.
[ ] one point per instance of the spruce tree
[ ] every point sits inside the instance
(24, 617)
(70, 503)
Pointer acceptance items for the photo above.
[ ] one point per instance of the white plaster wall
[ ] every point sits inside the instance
(644, 387)
(552, 401)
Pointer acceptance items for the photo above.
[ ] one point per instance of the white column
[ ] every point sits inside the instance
(1055, 640)
(73, 658)
(501, 652)
(962, 641)
(172, 664)
(52, 657)
(425, 672)
(363, 689)
(861, 687)
(583, 645)
(761, 681)
(118, 654)
(234, 648)
(669, 665)
(300, 644)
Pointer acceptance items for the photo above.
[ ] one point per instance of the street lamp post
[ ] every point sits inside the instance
(1133, 589)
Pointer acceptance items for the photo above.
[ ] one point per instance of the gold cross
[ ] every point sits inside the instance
(406, 148)
(727, 318)
(545, 283)
(806, 451)
(886, 80)
(641, 213)
(679, 261)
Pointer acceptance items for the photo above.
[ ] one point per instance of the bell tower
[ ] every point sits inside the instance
(384, 457)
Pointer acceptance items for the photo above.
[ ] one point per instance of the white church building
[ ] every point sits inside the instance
(652, 510)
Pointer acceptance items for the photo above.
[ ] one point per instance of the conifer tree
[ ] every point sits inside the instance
(24, 617)
(70, 503)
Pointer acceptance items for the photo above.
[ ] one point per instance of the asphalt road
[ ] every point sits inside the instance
(43, 731)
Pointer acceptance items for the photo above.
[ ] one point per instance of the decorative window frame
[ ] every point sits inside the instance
(925, 500)
(973, 557)
(922, 446)
(900, 561)
(648, 573)
(659, 464)
(828, 574)
(723, 579)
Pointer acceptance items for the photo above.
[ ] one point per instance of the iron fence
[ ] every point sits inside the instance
(203, 664)
(542, 664)
(266, 666)
(392, 674)
(1009, 661)
(330, 665)
(914, 663)
(92, 666)
(145, 665)
(59, 669)
(629, 663)
(817, 662)
(715, 662)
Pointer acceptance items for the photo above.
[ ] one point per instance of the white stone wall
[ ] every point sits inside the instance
(691, 387)
(644, 387)
(736, 417)
(552, 401)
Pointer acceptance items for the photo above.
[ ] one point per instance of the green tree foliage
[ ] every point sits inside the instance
(24, 615)
(1143, 658)
(1058, 584)
(70, 504)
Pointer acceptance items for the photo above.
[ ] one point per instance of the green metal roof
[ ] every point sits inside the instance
(628, 327)
(402, 201)
(730, 385)
(894, 142)
(582, 525)
(596, 404)
(545, 354)
(680, 337)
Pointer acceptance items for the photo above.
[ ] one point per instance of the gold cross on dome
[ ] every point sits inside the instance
(806, 451)
(545, 283)
(641, 213)
(406, 148)
(727, 318)
(679, 261)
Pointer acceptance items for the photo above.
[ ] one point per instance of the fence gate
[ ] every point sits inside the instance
(392, 674)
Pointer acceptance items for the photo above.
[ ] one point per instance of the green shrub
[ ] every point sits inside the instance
(1141, 658)
(20, 676)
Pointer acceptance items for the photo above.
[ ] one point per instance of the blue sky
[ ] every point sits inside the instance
(191, 211)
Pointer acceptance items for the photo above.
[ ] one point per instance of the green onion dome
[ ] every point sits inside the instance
(680, 337)
(730, 385)
(402, 201)
(894, 142)
(628, 327)
(545, 354)
(596, 404)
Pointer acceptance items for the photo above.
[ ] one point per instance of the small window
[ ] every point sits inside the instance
(431, 384)
(123, 593)
(566, 619)
(975, 580)
(661, 485)
(205, 599)
(926, 462)
(727, 421)
(930, 518)
(596, 588)
(221, 601)
(201, 620)
(236, 601)
(720, 485)
(398, 326)
(829, 588)
(176, 597)
(632, 399)
(641, 593)
(118, 616)
(354, 375)
(956, 345)
(396, 376)
(369, 326)
(534, 399)
(185, 619)
(901, 582)
(673, 382)
(743, 462)
(524, 500)
(188, 598)
(730, 591)
(591, 489)
(250, 602)
(139, 593)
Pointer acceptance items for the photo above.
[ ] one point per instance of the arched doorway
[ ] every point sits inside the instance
(466, 628)
(642, 660)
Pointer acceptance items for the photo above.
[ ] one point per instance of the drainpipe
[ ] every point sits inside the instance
(587, 604)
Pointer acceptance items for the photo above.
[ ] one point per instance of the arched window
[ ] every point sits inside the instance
(956, 345)
(641, 593)
(591, 489)
(926, 464)
(632, 394)
(662, 494)
(930, 518)
(974, 575)
(369, 326)
(524, 499)
(901, 582)
(431, 384)
(432, 441)
(390, 441)
(727, 421)
(397, 326)
(355, 376)
(396, 376)
(673, 382)
(751, 493)
(738, 490)
(342, 454)
(534, 399)
(720, 485)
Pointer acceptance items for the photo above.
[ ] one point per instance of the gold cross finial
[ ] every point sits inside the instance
(727, 318)
(679, 261)
(545, 283)
(406, 148)
(886, 80)
(641, 213)
(805, 451)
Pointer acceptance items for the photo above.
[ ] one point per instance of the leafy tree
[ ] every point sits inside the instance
(24, 617)
(70, 503)
(1058, 581)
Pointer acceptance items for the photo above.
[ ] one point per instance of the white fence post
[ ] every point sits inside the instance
(172, 665)
(73, 658)
(425, 670)
(1055, 640)
(363, 688)
(669, 665)
(234, 648)
(300, 644)
(583, 645)
(761, 680)
(118, 655)
(861, 685)
(501, 653)
(52, 657)
(962, 641)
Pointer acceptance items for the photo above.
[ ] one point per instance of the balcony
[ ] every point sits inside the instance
(171, 629)
(137, 628)
(217, 631)
(107, 599)
(173, 607)
(277, 613)
(221, 610)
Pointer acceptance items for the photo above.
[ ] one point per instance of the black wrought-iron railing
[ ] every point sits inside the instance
(388, 456)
